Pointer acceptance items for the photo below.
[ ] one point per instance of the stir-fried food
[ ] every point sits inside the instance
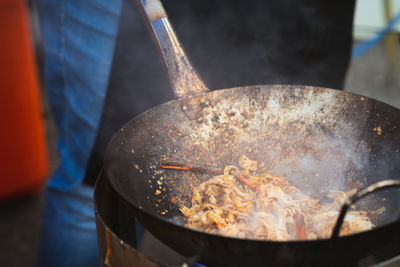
(265, 207)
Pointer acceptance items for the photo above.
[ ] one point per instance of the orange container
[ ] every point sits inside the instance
(23, 154)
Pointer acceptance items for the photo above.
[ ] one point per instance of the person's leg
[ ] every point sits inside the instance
(68, 235)
(78, 40)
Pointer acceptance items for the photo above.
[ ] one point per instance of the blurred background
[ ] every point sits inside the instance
(374, 71)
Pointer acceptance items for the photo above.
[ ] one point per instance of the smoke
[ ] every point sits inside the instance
(234, 43)
(333, 166)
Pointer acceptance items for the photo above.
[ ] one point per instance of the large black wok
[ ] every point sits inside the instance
(319, 139)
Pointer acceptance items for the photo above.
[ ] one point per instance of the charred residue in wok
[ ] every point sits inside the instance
(226, 130)
(284, 127)
(315, 138)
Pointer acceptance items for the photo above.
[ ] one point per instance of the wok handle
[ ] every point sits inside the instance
(183, 78)
(360, 194)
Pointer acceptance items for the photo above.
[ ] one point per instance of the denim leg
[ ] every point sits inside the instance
(78, 44)
(78, 40)
(68, 236)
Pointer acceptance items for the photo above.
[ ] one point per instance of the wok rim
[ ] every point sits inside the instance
(209, 94)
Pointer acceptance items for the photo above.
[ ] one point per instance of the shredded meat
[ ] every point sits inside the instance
(276, 211)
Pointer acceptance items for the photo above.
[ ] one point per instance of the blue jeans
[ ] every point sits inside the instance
(78, 40)
(68, 236)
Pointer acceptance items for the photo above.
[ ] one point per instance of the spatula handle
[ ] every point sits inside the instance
(182, 76)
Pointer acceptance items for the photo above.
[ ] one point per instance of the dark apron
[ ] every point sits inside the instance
(231, 43)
